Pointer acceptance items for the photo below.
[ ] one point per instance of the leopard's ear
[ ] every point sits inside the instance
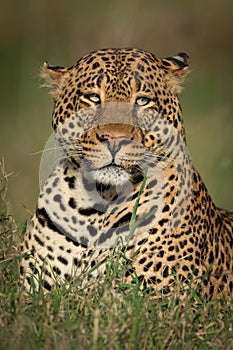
(53, 76)
(177, 68)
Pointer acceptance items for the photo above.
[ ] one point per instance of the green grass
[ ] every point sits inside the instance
(123, 317)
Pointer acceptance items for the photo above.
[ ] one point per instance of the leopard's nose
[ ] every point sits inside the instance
(114, 143)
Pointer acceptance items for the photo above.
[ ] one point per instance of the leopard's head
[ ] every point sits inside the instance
(117, 111)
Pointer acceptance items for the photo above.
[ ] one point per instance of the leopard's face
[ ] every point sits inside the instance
(117, 112)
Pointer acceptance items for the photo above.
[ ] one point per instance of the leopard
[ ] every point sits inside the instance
(125, 179)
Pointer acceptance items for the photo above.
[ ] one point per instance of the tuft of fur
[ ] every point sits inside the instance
(176, 81)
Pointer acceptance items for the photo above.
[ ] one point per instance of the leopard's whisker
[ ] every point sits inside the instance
(44, 150)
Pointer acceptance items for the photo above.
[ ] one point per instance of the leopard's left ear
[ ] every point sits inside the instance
(177, 68)
(53, 76)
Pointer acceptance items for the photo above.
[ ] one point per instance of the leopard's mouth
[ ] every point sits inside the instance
(111, 175)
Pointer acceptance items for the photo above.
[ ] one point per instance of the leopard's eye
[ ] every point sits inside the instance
(93, 98)
(142, 101)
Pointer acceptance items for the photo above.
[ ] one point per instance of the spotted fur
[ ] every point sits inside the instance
(117, 119)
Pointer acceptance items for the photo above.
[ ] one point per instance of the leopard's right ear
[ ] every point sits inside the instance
(53, 77)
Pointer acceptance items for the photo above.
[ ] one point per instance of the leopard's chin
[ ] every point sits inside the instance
(111, 175)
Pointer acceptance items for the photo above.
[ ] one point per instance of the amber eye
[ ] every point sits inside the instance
(142, 101)
(93, 98)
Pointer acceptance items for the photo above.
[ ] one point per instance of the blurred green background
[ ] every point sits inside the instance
(62, 31)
